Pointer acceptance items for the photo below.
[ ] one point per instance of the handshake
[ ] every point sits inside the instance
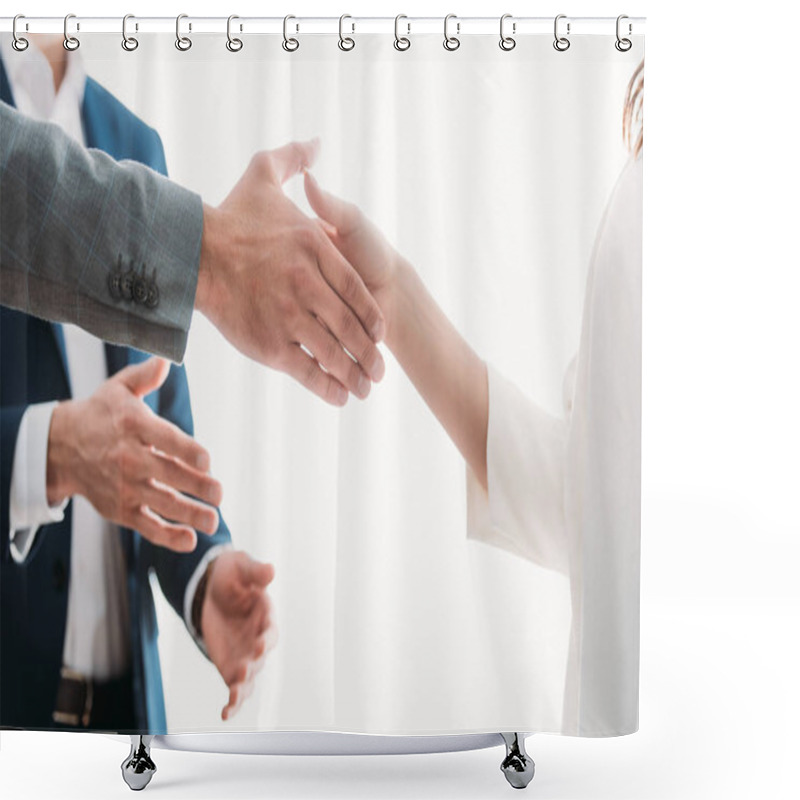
(308, 297)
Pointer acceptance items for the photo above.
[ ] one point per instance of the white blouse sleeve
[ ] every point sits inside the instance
(523, 511)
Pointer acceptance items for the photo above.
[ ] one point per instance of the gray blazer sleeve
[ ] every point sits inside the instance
(111, 246)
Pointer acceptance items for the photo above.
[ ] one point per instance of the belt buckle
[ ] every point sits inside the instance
(70, 717)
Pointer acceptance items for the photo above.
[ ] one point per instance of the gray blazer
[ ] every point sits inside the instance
(111, 246)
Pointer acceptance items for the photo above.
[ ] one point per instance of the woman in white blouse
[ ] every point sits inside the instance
(563, 492)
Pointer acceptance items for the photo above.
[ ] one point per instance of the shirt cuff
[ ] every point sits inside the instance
(28, 508)
(191, 588)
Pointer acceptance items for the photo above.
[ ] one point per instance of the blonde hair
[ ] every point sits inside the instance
(632, 121)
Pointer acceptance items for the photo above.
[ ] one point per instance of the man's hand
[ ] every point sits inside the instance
(236, 624)
(134, 467)
(277, 289)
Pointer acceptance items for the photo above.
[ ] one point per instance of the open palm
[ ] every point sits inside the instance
(236, 622)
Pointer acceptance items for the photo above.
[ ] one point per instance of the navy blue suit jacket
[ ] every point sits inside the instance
(33, 595)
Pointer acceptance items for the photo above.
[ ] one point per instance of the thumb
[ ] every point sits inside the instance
(146, 377)
(290, 159)
(256, 572)
(329, 207)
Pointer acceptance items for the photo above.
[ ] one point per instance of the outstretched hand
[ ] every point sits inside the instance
(280, 292)
(134, 467)
(236, 622)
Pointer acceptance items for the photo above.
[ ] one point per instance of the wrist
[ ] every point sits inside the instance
(212, 252)
(62, 481)
(199, 599)
(400, 292)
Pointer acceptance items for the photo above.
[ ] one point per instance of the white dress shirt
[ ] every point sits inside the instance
(97, 639)
(565, 492)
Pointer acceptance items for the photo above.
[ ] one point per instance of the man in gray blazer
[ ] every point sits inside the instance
(127, 254)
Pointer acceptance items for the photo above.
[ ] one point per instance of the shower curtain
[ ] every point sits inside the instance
(423, 583)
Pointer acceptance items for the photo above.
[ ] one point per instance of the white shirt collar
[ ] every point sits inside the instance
(31, 81)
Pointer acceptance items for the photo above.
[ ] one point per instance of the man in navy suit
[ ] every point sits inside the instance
(78, 632)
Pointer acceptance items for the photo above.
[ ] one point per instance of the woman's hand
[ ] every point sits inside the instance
(135, 468)
(360, 242)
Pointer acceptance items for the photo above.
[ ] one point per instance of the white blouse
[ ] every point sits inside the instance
(565, 492)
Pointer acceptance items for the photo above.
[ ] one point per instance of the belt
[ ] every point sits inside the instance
(78, 695)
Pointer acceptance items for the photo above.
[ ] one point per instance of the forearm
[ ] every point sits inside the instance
(445, 370)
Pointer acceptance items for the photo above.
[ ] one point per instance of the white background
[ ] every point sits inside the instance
(720, 598)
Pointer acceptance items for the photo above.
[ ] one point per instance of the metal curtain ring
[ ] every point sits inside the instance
(346, 42)
(129, 43)
(401, 43)
(289, 44)
(70, 42)
(183, 43)
(451, 42)
(507, 42)
(561, 43)
(19, 43)
(233, 44)
(623, 45)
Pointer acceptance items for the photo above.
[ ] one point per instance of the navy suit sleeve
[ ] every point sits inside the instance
(174, 570)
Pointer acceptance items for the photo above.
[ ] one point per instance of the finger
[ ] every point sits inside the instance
(175, 474)
(233, 703)
(306, 370)
(343, 324)
(172, 505)
(347, 283)
(172, 441)
(179, 538)
(256, 572)
(330, 208)
(293, 157)
(145, 377)
(330, 231)
(329, 352)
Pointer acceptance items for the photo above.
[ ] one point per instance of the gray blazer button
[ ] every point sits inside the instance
(152, 291)
(113, 285)
(126, 284)
(139, 289)
(114, 279)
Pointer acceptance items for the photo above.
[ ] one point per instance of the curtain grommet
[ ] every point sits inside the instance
(401, 43)
(561, 43)
(623, 44)
(182, 43)
(346, 43)
(129, 43)
(507, 43)
(19, 43)
(234, 44)
(451, 43)
(290, 43)
(70, 42)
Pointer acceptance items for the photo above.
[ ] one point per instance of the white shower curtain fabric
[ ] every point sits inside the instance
(410, 599)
